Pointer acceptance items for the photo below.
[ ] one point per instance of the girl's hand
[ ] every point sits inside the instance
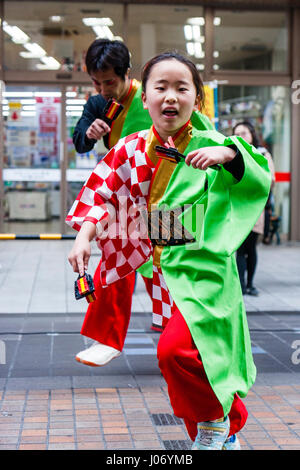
(207, 156)
(97, 129)
(81, 251)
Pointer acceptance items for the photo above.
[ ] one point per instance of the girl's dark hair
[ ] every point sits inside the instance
(104, 54)
(255, 139)
(184, 60)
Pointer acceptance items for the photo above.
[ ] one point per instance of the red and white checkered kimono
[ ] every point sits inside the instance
(114, 198)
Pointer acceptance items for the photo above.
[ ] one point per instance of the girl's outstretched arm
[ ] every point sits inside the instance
(81, 251)
(204, 157)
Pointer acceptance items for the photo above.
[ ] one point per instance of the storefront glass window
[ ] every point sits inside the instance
(79, 165)
(268, 109)
(31, 159)
(251, 40)
(156, 28)
(55, 35)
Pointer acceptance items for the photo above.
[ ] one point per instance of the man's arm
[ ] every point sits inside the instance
(92, 112)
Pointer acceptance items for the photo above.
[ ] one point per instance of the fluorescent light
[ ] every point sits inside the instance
(97, 21)
(198, 20)
(200, 66)
(188, 32)
(49, 63)
(216, 54)
(108, 33)
(56, 18)
(217, 21)
(103, 32)
(199, 54)
(17, 35)
(35, 51)
(190, 47)
(196, 32)
(216, 67)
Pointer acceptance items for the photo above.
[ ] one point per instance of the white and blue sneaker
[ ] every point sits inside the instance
(211, 435)
(232, 443)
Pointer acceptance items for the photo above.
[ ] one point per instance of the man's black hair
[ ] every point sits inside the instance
(104, 54)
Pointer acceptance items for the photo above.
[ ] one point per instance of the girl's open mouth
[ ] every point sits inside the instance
(170, 112)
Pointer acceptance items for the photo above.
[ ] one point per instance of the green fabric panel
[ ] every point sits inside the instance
(202, 276)
(137, 118)
(146, 269)
(201, 122)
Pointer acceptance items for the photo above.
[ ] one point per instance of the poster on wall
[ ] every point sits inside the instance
(48, 131)
(20, 145)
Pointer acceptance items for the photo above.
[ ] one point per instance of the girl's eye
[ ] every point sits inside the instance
(110, 82)
(160, 88)
(182, 89)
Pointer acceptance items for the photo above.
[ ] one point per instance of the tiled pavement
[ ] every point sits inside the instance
(99, 410)
(124, 418)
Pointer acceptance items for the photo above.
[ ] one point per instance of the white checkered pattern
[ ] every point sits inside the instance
(162, 301)
(124, 173)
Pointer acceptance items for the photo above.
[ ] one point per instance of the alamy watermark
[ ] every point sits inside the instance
(295, 358)
(137, 221)
(2, 352)
(296, 94)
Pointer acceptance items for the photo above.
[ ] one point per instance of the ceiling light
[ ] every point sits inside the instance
(56, 18)
(199, 54)
(35, 51)
(188, 32)
(216, 54)
(217, 21)
(97, 21)
(49, 63)
(216, 67)
(103, 32)
(190, 48)
(17, 35)
(198, 20)
(200, 66)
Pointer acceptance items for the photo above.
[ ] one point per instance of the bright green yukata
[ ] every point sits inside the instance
(202, 276)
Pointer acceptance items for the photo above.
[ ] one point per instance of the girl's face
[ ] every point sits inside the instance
(243, 131)
(170, 96)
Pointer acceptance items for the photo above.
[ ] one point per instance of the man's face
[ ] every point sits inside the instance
(108, 84)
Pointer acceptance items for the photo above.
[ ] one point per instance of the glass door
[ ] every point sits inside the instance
(31, 117)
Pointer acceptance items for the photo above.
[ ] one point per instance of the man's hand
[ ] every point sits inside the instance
(207, 156)
(97, 129)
